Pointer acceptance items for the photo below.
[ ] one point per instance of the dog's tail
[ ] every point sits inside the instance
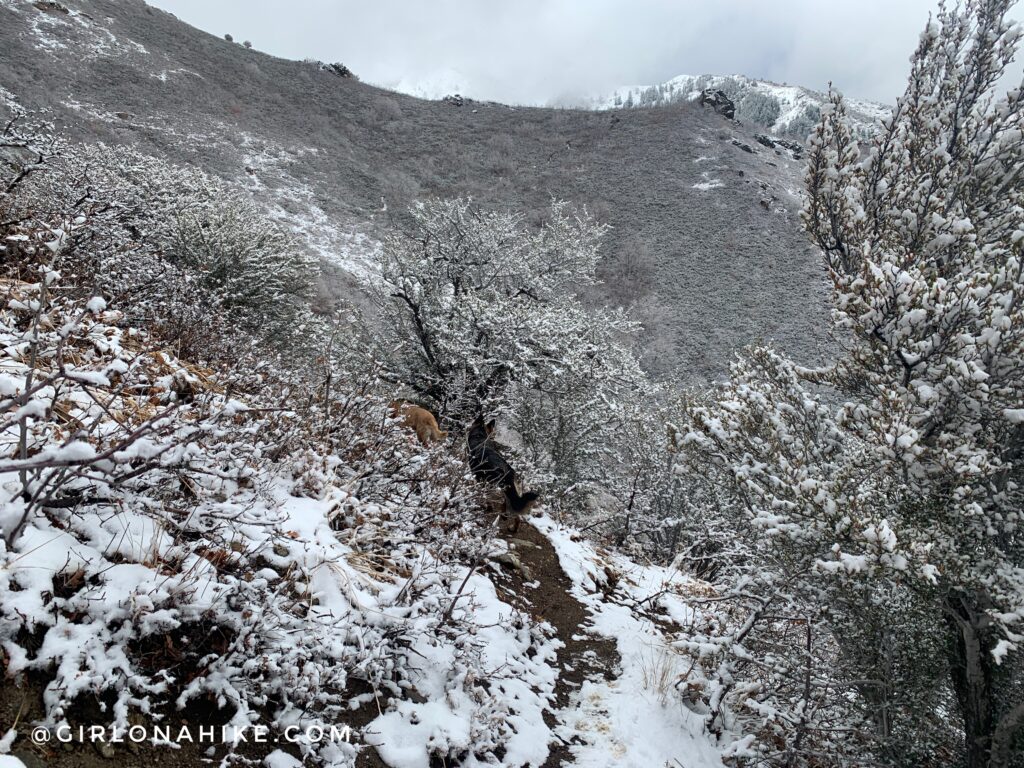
(520, 504)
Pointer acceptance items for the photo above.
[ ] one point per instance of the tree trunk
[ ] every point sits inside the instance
(970, 668)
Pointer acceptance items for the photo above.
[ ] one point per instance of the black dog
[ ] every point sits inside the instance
(489, 466)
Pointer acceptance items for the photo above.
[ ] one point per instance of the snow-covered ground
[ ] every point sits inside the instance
(177, 526)
(637, 718)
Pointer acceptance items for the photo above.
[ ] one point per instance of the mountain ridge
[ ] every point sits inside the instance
(784, 110)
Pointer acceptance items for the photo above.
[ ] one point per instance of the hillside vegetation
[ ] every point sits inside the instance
(326, 155)
(214, 510)
(783, 110)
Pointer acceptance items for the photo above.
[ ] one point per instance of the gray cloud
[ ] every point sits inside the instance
(543, 51)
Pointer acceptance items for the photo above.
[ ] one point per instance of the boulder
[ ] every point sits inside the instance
(49, 6)
(795, 147)
(718, 101)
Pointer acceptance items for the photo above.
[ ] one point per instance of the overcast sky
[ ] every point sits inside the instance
(544, 51)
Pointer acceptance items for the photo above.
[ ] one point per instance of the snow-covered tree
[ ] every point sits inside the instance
(476, 313)
(760, 108)
(888, 486)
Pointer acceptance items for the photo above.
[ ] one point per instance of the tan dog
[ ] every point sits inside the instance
(420, 420)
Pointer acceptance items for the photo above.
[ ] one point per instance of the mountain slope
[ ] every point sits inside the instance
(705, 240)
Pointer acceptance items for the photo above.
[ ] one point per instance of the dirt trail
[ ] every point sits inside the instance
(548, 597)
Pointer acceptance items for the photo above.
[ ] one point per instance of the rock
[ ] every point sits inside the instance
(773, 143)
(124, 115)
(795, 147)
(454, 99)
(718, 101)
(135, 718)
(106, 749)
(50, 6)
(522, 544)
(337, 68)
(741, 145)
(511, 559)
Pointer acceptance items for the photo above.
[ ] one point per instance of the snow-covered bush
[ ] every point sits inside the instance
(883, 494)
(476, 313)
(180, 252)
(256, 272)
(246, 540)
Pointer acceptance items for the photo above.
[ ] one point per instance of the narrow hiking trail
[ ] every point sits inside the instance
(542, 589)
(615, 704)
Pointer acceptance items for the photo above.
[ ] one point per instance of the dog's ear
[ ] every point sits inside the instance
(489, 427)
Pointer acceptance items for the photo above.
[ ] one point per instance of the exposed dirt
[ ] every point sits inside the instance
(583, 657)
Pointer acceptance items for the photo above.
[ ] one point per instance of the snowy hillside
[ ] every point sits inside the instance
(243, 543)
(341, 428)
(335, 159)
(783, 110)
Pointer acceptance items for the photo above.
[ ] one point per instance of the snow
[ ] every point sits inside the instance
(9, 761)
(295, 207)
(408, 735)
(1014, 415)
(6, 741)
(636, 719)
(279, 759)
(793, 101)
(76, 33)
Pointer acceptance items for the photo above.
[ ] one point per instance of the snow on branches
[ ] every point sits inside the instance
(473, 303)
(893, 477)
(178, 250)
(477, 313)
(176, 532)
